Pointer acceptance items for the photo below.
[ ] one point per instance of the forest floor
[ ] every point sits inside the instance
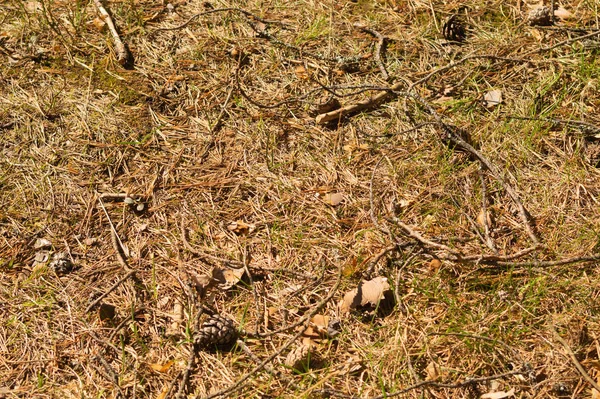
(385, 198)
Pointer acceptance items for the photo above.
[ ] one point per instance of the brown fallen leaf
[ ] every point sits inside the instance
(563, 13)
(333, 199)
(498, 395)
(301, 72)
(492, 98)
(240, 227)
(367, 293)
(433, 371)
(485, 219)
(227, 277)
(161, 368)
(319, 327)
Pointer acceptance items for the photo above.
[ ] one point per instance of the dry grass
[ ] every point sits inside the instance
(177, 128)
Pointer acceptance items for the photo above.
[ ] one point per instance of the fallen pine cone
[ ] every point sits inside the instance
(218, 331)
(454, 29)
(541, 16)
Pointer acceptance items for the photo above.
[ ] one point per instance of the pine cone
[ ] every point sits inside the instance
(217, 331)
(541, 16)
(454, 29)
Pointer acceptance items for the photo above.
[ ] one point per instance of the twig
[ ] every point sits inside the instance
(111, 374)
(563, 43)
(574, 360)
(428, 384)
(186, 373)
(486, 228)
(591, 126)
(108, 291)
(123, 55)
(216, 10)
(523, 213)
(550, 263)
(207, 258)
(379, 49)
(424, 241)
(114, 238)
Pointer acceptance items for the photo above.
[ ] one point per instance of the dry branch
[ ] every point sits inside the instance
(123, 55)
(379, 49)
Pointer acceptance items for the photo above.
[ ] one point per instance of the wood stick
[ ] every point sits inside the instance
(123, 55)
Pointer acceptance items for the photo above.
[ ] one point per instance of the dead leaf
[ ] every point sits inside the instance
(202, 283)
(241, 228)
(227, 277)
(161, 368)
(301, 72)
(492, 98)
(99, 24)
(318, 327)
(498, 395)
(333, 199)
(42, 243)
(484, 218)
(368, 293)
(434, 265)
(563, 13)
(433, 371)
(163, 393)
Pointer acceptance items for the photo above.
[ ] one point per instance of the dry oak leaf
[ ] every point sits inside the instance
(367, 293)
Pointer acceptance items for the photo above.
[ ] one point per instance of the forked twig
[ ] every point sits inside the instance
(379, 49)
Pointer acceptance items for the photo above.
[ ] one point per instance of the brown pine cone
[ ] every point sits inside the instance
(217, 331)
(541, 16)
(454, 29)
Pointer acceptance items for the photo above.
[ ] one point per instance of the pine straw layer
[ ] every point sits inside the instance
(177, 128)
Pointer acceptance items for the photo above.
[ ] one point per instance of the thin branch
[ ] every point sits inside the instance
(588, 125)
(486, 227)
(123, 55)
(428, 384)
(379, 49)
(424, 241)
(108, 291)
